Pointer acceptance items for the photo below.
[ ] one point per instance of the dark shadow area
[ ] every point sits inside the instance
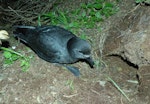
(5, 44)
(126, 61)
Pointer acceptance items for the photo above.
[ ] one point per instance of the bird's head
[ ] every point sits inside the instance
(79, 48)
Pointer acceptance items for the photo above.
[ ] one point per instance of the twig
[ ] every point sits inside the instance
(26, 11)
(115, 84)
(15, 12)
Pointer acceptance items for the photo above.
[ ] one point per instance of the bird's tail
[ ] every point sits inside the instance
(23, 32)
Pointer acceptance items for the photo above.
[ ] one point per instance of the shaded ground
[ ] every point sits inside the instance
(46, 83)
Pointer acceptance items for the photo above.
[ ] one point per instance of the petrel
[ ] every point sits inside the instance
(56, 45)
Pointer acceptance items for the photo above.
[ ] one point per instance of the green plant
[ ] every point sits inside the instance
(56, 17)
(70, 84)
(83, 36)
(39, 20)
(142, 1)
(87, 15)
(91, 13)
(11, 56)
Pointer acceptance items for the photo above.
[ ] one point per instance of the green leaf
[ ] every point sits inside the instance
(74, 24)
(25, 64)
(97, 6)
(84, 6)
(138, 1)
(90, 5)
(98, 15)
(107, 4)
(7, 54)
(14, 57)
(83, 14)
(83, 36)
(8, 62)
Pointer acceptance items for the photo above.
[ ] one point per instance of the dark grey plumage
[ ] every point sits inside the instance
(56, 45)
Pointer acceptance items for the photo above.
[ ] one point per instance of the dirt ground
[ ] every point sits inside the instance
(46, 83)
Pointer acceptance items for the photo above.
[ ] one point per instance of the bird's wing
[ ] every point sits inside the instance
(56, 31)
(47, 48)
(52, 43)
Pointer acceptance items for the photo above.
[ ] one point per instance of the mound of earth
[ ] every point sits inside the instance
(130, 40)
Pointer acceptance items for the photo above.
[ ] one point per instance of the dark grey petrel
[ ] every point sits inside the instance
(56, 45)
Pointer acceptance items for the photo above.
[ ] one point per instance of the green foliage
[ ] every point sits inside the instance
(70, 84)
(25, 63)
(83, 36)
(142, 1)
(39, 19)
(87, 15)
(139, 1)
(97, 11)
(11, 56)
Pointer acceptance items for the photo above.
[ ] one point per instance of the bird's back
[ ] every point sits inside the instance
(49, 42)
(52, 41)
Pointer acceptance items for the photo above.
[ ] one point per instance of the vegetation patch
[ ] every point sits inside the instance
(10, 56)
(86, 16)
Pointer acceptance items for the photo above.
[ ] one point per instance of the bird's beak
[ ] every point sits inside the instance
(90, 61)
(87, 56)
